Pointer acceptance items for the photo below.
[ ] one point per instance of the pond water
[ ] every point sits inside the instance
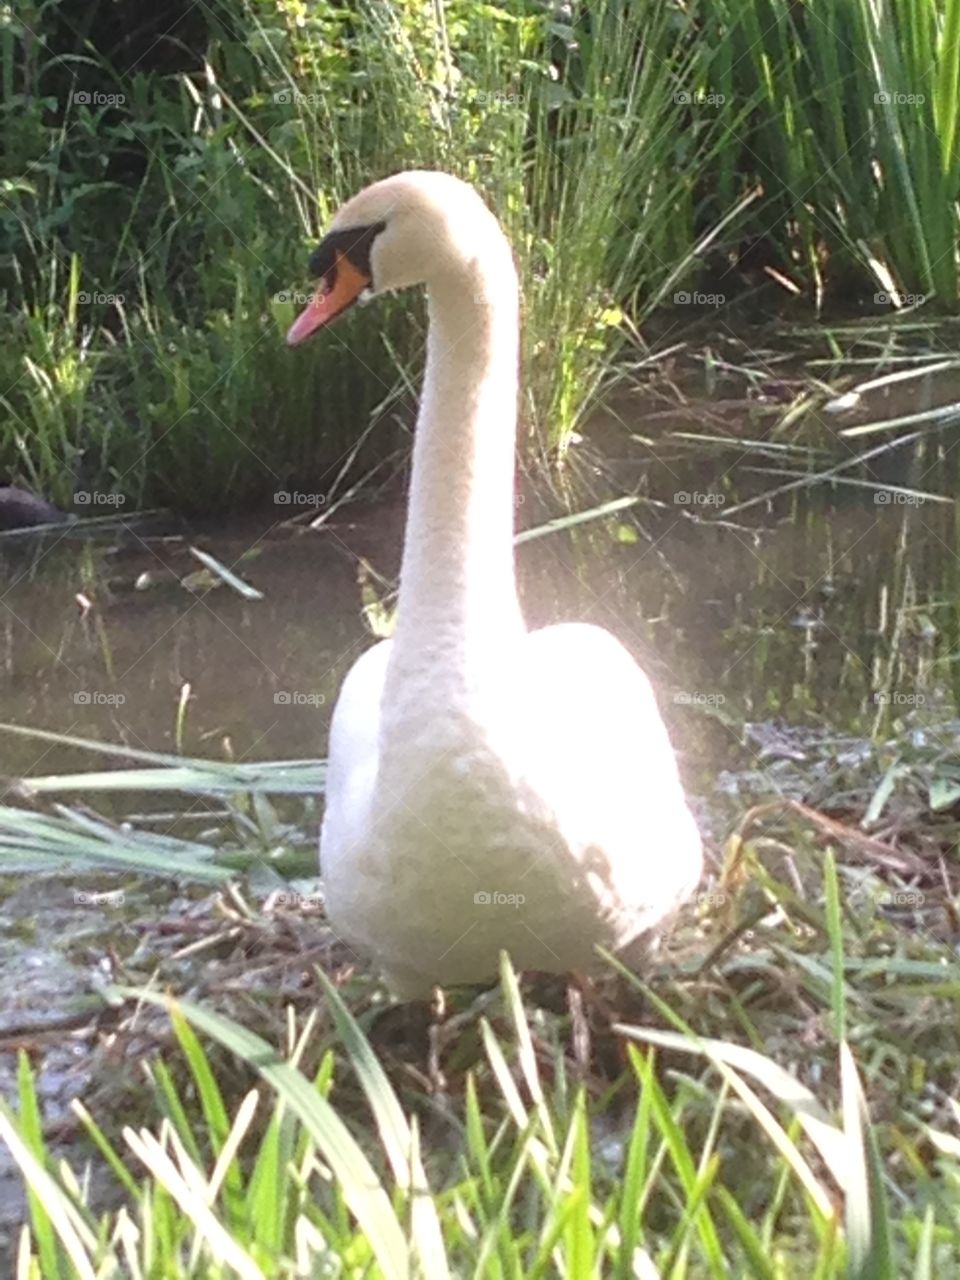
(798, 613)
(818, 602)
(832, 606)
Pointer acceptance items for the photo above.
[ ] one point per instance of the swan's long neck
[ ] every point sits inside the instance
(458, 601)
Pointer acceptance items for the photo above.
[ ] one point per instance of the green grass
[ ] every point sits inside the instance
(309, 1173)
(775, 1096)
(154, 345)
(149, 234)
(853, 137)
(780, 1098)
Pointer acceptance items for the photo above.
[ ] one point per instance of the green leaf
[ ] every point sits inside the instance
(398, 1138)
(835, 931)
(869, 1243)
(362, 1190)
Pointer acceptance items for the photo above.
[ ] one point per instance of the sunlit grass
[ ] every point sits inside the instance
(772, 1095)
(627, 148)
(299, 1177)
(854, 138)
(154, 349)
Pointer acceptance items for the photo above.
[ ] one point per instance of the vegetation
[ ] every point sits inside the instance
(777, 1096)
(281, 1186)
(162, 177)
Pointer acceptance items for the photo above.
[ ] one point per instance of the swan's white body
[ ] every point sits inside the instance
(488, 787)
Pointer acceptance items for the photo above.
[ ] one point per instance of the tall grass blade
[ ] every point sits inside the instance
(362, 1190)
(72, 841)
(78, 1241)
(186, 1185)
(867, 1220)
(838, 997)
(730, 1059)
(396, 1134)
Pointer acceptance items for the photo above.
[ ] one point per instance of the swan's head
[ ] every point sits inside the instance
(414, 228)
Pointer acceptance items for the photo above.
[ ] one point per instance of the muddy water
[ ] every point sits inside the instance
(792, 609)
(793, 606)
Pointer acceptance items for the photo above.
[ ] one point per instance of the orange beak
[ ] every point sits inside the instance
(343, 286)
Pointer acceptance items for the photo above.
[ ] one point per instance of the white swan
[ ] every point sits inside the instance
(488, 787)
